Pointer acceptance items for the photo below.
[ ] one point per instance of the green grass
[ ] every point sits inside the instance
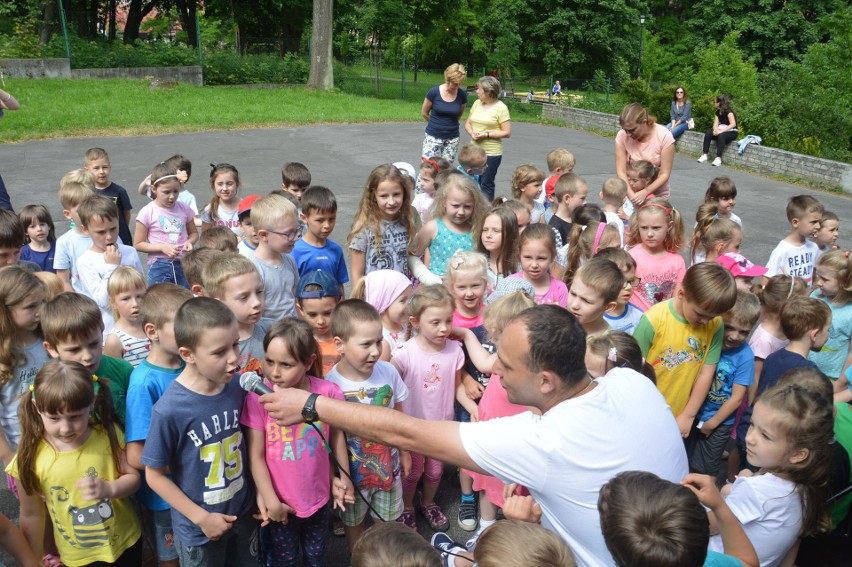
(62, 108)
(58, 108)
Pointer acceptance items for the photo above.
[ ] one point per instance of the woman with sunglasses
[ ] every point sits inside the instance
(680, 113)
(641, 138)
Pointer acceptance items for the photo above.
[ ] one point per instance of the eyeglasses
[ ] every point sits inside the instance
(678, 92)
(479, 168)
(632, 282)
(291, 235)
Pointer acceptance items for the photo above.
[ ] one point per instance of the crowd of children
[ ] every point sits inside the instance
(117, 388)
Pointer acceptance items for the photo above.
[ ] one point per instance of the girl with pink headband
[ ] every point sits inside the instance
(388, 291)
(655, 235)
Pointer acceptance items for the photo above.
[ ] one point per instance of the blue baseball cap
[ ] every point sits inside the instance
(326, 282)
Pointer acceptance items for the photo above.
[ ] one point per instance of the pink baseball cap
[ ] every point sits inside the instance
(739, 266)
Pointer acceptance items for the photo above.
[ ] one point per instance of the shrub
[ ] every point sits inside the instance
(229, 68)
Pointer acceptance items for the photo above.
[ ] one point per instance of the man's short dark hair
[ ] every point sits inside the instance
(557, 342)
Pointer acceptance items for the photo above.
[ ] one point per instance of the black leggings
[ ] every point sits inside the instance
(722, 140)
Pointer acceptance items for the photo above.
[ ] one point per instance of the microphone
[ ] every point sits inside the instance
(252, 382)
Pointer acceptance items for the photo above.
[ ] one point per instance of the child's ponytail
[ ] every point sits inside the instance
(808, 422)
(61, 386)
(778, 290)
(710, 230)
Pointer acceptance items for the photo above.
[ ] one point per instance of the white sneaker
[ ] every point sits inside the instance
(717, 162)
(703, 158)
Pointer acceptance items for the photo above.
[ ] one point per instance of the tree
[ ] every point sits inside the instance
(136, 12)
(186, 12)
(322, 70)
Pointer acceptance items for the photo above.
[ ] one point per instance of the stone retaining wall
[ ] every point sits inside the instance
(761, 159)
(61, 69)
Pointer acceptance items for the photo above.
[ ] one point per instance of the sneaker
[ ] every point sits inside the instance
(448, 548)
(467, 516)
(717, 162)
(470, 544)
(408, 518)
(438, 521)
(442, 542)
(703, 158)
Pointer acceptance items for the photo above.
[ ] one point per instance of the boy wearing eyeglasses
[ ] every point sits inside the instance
(624, 316)
(276, 223)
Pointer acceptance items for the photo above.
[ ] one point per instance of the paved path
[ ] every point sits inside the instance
(341, 157)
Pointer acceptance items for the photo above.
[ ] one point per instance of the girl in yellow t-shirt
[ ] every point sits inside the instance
(71, 463)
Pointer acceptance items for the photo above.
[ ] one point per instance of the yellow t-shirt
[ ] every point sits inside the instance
(489, 120)
(85, 530)
(677, 350)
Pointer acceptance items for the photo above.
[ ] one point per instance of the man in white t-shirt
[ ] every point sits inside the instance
(589, 430)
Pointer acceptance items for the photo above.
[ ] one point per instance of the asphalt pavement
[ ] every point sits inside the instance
(341, 157)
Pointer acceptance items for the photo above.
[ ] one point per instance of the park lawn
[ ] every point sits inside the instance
(59, 108)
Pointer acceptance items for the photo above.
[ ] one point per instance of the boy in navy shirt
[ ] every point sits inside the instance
(195, 456)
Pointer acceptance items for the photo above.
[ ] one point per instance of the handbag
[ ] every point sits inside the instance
(690, 124)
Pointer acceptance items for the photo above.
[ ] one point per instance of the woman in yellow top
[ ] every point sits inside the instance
(488, 123)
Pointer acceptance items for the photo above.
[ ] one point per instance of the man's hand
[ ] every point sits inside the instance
(284, 405)
(517, 507)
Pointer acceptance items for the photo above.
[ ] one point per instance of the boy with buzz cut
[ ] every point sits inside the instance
(195, 457)
(570, 193)
(234, 280)
(624, 316)
(276, 222)
(99, 219)
(647, 520)
(317, 296)
(594, 291)
(315, 251)
(295, 178)
(734, 375)
(147, 385)
(472, 161)
(559, 162)
(73, 330)
(75, 242)
(97, 163)
(193, 268)
(796, 254)
(681, 338)
(357, 330)
(612, 195)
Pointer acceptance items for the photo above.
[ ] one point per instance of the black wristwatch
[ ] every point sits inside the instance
(309, 412)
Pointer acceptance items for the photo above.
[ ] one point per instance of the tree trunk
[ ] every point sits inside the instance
(112, 9)
(186, 10)
(322, 69)
(47, 23)
(136, 11)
